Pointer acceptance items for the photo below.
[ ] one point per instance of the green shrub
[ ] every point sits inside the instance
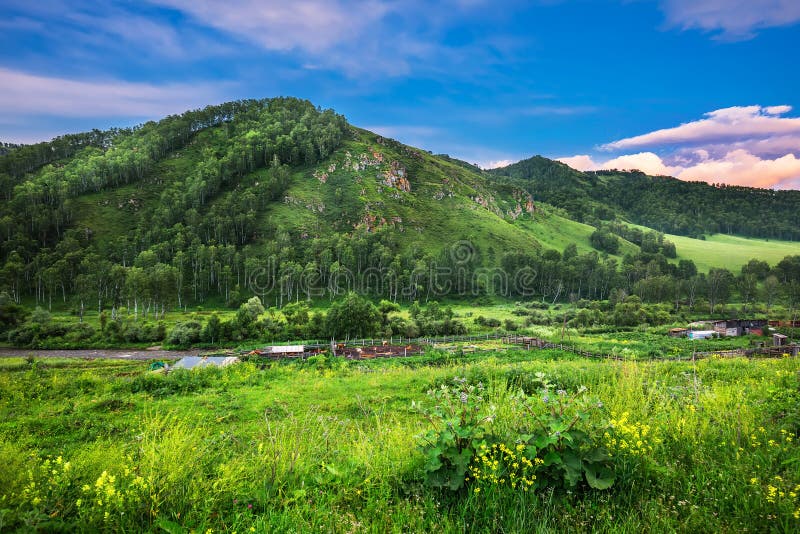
(184, 334)
(459, 418)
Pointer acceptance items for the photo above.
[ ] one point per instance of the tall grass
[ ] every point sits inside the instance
(291, 447)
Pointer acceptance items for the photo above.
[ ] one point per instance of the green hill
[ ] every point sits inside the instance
(284, 200)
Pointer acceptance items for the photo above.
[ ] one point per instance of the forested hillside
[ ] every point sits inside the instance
(282, 200)
(274, 197)
(660, 202)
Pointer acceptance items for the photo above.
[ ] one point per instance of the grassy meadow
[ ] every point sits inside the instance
(729, 251)
(335, 446)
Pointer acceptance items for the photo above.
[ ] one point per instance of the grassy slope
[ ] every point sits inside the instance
(721, 250)
(556, 232)
(110, 213)
(732, 251)
(428, 223)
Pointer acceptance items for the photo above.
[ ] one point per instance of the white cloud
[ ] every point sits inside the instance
(734, 19)
(734, 123)
(646, 162)
(495, 164)
(582, 162)
(312, 25)
(31, 94)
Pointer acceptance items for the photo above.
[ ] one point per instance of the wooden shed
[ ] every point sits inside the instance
(678, 332)
(779, 340)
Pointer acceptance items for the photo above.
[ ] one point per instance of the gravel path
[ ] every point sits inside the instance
(94, 354)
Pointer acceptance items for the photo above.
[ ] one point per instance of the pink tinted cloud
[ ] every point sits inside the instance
(737, 167)
(646, 162)
(734, 123)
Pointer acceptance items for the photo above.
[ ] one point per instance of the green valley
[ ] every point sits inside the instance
(272, 211)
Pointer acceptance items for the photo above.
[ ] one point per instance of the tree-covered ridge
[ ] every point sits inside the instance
(248, 197)
(43, 250)
(660, 202)
(695, 208)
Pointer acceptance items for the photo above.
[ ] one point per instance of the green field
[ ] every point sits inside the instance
(729, 251)
(556, 232)
(335, 446)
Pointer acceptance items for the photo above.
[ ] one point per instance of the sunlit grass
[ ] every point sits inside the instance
(332, 445)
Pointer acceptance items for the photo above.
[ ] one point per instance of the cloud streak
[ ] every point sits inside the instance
(311, 25)
(31, 94)
(734, 20)
(734, 123)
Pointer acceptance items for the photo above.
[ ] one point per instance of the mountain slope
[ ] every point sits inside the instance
(281, 199)
(660, 202)
(273, 189)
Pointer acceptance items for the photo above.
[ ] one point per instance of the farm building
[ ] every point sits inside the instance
(738, 327)
(702, 334)
(286, 351)
(779, 340)
(678, 332)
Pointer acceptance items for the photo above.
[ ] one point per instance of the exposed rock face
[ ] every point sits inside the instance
(362, 161)
(371, 222)
(515, 213)
(482, 201)
(396, 177)
(525, 199)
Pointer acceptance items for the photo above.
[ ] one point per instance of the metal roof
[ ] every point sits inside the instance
(284, 349)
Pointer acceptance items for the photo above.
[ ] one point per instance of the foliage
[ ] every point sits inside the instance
(352, 317)
(293, 446)
(434, 320)
(562, 434)
(459, 419)
(605, 241)
(553, 441)
(667, 204)
(184, 334)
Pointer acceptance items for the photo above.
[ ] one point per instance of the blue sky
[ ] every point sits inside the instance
(699, 89)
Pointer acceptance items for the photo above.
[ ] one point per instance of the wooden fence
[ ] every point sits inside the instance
(527, 343)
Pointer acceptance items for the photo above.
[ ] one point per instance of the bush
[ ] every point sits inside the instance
(549, 439)
(184, 334)
(459, 418)
(352, 317)
(490, 322)
(80, 332)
